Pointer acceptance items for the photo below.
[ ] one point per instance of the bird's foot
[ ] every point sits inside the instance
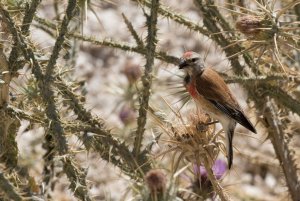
(202, 127)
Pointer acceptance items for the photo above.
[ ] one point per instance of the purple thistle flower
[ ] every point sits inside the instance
(219, 168)
(202, 185)
(127, 115)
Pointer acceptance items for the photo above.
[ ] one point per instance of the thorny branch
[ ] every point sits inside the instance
(211, 19)
(55, 129)
(8, 189)
(47, 94)
(147, 77)
(28, 17)
(113, 44)
(283, 153)
(260, 79)
(136, 37)
(100, 140)
(164, 11)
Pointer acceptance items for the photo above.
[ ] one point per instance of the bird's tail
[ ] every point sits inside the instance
(229, 138)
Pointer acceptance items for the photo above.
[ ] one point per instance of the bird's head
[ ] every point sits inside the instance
(191, 62)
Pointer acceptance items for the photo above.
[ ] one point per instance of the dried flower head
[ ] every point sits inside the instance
(132, 72)
(271, 36)
(196, 139)
(156, 181)
(249, 25)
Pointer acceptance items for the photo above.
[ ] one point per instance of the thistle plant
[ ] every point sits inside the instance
(195, 141)
(56, 124)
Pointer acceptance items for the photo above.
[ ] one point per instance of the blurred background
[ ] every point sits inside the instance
(103, 65)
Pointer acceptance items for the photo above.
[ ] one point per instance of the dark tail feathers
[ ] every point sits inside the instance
(229, 148)
(244, 121)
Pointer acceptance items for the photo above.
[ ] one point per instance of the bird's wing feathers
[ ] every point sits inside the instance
(213, 88)
(237, 115)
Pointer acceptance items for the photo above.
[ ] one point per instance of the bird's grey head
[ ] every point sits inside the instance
(191, 62)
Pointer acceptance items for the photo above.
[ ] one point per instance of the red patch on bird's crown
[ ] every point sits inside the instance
(187, 54)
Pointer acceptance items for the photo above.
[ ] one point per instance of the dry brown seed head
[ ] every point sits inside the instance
(156, 181)
(249, 25)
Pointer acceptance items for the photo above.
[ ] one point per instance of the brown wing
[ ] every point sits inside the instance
(213, 88)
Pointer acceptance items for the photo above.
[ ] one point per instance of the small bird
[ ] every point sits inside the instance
(211, 93)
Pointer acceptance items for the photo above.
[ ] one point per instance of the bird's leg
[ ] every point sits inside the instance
(201, 126)
(212, 122)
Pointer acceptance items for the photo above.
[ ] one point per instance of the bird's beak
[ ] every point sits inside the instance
(182, 63)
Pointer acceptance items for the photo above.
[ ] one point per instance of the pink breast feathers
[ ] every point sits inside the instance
(192, 89)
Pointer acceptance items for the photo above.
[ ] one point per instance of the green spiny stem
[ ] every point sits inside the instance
(83, 115)
(280, 96)
(164, 11)
(45, 81)
(283, 153)
(260, 79)
(8, 126)
(113, 44)
(77, 177)
(147, 77)
(104, 141)
(211, 21)
(56, 128)
(60, 39)
(28, 17)
(8, 189)
(136, 37)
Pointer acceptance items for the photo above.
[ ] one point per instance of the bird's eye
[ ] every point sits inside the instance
(194, 59)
